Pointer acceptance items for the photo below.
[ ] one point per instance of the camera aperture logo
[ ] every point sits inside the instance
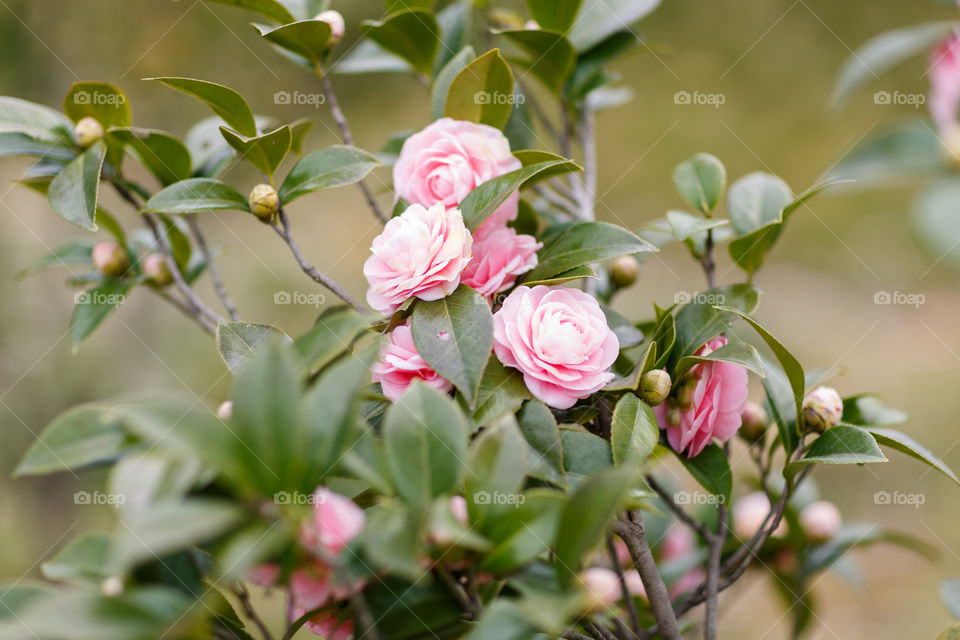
(315, 300)
(287, 498)
(498, 498)
(915, 100)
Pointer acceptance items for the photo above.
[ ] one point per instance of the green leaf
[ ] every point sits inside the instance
(884, 52)
(332, 334)
(936, 221)
(392, 542)
(497, 463)
(868, 411)
(839, 445)
(425, 435)
(686, 225)
(93, 306)
(166, 157)
(551, 56)
(225, 102)
(587, 516)
(83, 561)
(267, 8)
(523, 532)
(81, 437)
(35, 120)
(307, 38)
(905, 444)
(487, 198)
(558, 15)
(756, 200)
(455, 336)
(600, 19)
(104, 102)
(482, 92)
(700, 320)
(633, 431)
(328, 168)
(414, 35)
(73, 192)
(438, 96)
(577, 273)
(502, 390)
(196, 195)
(265, 152)
(712, 470)
(545, 450)
(701, 180)
(238, 341)
(583, 243)
(530, 157)
(584, 453)
(951, 633)
(631, 381)
(16, 143)
(899, 151)
(299, 130)
(741, 354)
(71, 254)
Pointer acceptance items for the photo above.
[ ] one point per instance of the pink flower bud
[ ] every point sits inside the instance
(458, 506)
(87, 131)
(337, 25)
(264, 201)
(820, 520)
(110, 259)
(225, 410)
(822, 409)
(264, 575)
(602, 588)
(624, 271)
(677, 541)
(755, 422)
(155, 269)
(634, 583)
(749, 514)
(655, 386)
(337, 520)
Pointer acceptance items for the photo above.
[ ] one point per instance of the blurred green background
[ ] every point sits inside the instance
(774, 63)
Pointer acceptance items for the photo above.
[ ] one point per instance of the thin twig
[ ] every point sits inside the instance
(212, 268)
(627, 597)
(244, 596)
(715, 544)
(707, 261)
(574, 635)
(588, 142)
(634, 535)
(678, 511)
(469, 610)
(558, 201)
(188, 311)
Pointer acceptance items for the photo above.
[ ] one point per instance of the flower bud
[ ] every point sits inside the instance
(602, 588)
(225, 410)
(688, 385)
(156, 270)
(110, 259)
(87, 131)
(634, 583)
(111, 586)
(820, 520)
(624, 271)
(458, 507)
(749, 514)
(822, 409)
(337, 25)
(264, 201)
(754, 422)
(655, 386)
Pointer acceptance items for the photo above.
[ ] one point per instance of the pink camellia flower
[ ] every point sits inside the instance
(421, 254)
(715, 404)
(602, 588)
(450, 158)
(336, 521)
(635, 586)
(749, 514)
(400, 364)
(820, 520)
(559, 339)
(264, 575)
(311, 589)
(500, 254)
(945, 83)
(337, 25)
(687, 582)
(677, 541)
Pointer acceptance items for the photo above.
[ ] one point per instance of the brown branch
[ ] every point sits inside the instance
(634, 535)
(463, 598)
(627, 598)
(678, 511)
(212, 268)
(188, 311)
(244, 596)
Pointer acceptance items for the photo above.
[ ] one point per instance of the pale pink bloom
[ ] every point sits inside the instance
(945, 83)
(311, 589)
(337, 25)
(820, 520)
(822, 408)
(714, 412)
(458, 506)
(336, 521)
(448, 160)
(264, 575)
(500, 254)
(400, 364)
(687, 582)
(559, 339)
(419, 254)
(677, 541)
(634, 583)
(624, 559)
(749, 514)
(602, 586)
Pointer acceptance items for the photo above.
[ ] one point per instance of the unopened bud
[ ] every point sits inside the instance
(655, 386)
(87, 131)
(155, 269)
(754, 422)
(822, 409)
(602, 587)
(264, 201)
(337, 25)
(750, 513)
(111, 586)
(225, 410)
(110, 259)
(458, 507)
(635, 585)
(820, 520)
(624, 271)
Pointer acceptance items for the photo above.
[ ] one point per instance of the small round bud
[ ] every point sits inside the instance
(624, 271)
(754, 422)
(264, 201)
(749, 514)
(602, 588)
(225, 410)
(458, 507)
(820, 520)
(337, 25)
(111, 586)
(655, 386)
(110, 259)
(88, 131)
(156, 270)
(822, 409)
(634, 583)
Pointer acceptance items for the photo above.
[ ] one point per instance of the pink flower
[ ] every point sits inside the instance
(458, 507)
(336, 521)
(559, 339)
(715, 407)
(448, 160)
(750, 513)
(677, 541)
(337, 25)
(500, 254)
(820, 520)
(945, 83)
(421, 254)
(687, 582)
(264, 575)
(635, 586)
(602, 586)
(311, 589)
(400, 364)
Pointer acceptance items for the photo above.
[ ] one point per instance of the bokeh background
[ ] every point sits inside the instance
(773, 62)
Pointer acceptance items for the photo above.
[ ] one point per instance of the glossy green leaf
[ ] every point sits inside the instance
(267, 8)
(839, 445)
(196, 195)
(633, 431)
(265, 152)
(524, 532)
(328, 168)
(584, 453)
(73, 193)
(238, 341)
(104, 102)
(497, 465)
(332, 334)
(71, 254)
(711, 469)
(584, 243)
(438, 95)
(225, 102)
(701, 181)
(545, 451)
(741, 354)
(455, 336)
(700, 320)
(869, 411)
(558, 15)
(482, 92)
(905, 444)
(600, 19)
(413, 34)
(898, 151)
(38, 121)
(551, 57)
(17, 143)
(391, 539)
(686, 225)
(577, 273)
(307, 38)
(166, 157)
(82, 561)
(756, 200)
(92, 308)
(501, 391)
(530, 157)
